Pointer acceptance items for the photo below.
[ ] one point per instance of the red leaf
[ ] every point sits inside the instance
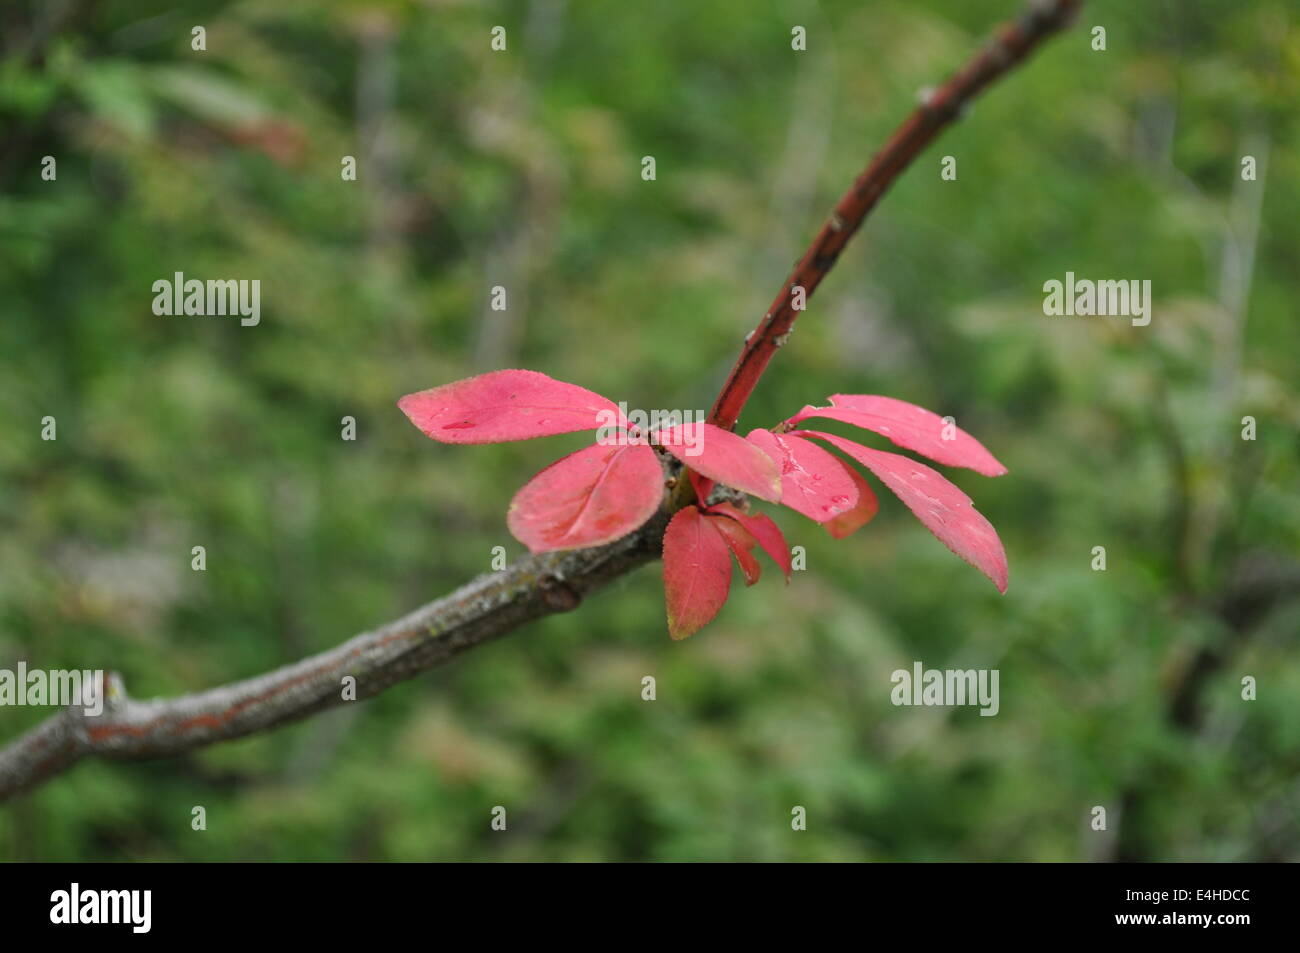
(814, 481)
(594, 496)
(944, 509)
(506, 405)
(741, 542)
(848, 523)
(702, 485)
(910, 427)
(725, 457)
(762, 528)
(697, 572)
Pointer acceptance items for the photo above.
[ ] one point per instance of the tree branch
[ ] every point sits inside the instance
(496, 604)
(490, 606)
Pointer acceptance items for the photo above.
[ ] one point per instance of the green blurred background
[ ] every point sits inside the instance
(522, 168)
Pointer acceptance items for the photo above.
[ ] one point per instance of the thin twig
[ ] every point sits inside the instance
(1009, 45)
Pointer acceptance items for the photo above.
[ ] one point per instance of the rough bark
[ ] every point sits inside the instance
(490, 606)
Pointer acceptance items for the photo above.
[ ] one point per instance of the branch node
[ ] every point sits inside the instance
(560, 596)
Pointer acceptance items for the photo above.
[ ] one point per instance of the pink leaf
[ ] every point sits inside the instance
(594, 496)
(910, 427)
(725, 457)
(697, 572)
(741, 543)
(867, 506)
(944, 509)
(814, 481)
(702, 485)
(506, 405)
(762, 528)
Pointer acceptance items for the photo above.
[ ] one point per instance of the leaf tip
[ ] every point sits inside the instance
(678, 633)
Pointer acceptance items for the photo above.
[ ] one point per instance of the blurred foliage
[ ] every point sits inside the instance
(522, 168)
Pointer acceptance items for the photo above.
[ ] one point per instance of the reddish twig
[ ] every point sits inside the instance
(1009, 45)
